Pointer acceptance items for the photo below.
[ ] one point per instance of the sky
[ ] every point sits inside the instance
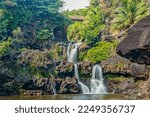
(75, 4)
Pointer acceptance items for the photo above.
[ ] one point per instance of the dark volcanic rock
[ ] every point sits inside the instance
(116, 65)
(65, 69)
(136, 46)
(8, 86)
(47, 86)
(122, 66)
(85, 68)
(39, 86)
(69, 86)
(120, 87)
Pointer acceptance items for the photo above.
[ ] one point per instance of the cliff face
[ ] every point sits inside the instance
(136, 46)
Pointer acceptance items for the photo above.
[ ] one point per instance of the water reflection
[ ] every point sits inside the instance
(64, 97)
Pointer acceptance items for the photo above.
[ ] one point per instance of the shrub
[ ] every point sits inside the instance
(4, 46)
(101, 51)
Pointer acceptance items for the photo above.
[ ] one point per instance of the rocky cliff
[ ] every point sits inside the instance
(136, 46)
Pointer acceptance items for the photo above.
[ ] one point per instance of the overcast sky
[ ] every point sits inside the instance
(75, 4)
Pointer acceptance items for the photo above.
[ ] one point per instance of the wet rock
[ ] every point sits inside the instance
(69, 86)
(136, 46)
(32, 92)
(8, 86)
(38, 86)
(65, 69)
(85, 68)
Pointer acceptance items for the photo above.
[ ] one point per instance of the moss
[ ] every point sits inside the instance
(82, 55)
(116, 77)
(148, 66)
(120, 64)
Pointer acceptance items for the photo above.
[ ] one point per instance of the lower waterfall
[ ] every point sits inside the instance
(85, 89)
(97, 81)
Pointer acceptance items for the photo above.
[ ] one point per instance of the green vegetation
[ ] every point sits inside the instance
(26, 30)
(105, 18)
(128, 13)
(4, 47)
(82, 56)
(101, 51)
(34, 33)
(88, 30)
(80, 12)
(116, 77)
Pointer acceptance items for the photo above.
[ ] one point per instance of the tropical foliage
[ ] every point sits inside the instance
(33, 35)
(88, 30)
(128, 13)
(102, 51)
(26, 26)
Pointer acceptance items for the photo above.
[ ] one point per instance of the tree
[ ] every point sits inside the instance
(31, 16)
(88, 30)
(128, 13)
(23, 24)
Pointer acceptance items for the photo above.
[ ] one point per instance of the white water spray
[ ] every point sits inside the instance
(85, 89)
(72, 58)
(72, 55)
(97, 81)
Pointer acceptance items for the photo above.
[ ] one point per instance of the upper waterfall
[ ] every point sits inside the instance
(72, 55)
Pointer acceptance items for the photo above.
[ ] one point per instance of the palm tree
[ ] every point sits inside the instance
(128, 13)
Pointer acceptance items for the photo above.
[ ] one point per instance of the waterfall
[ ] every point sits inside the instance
(84, 88)
(54, 90)
(72, 55)
(97, 81)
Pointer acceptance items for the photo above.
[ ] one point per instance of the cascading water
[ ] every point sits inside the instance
(72, 57)
(84, 88)
(54, 91)
(97, 81)
(52, 86)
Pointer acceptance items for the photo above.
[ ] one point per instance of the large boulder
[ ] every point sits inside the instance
(119, 65)
(136, 46)
(68, 86)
